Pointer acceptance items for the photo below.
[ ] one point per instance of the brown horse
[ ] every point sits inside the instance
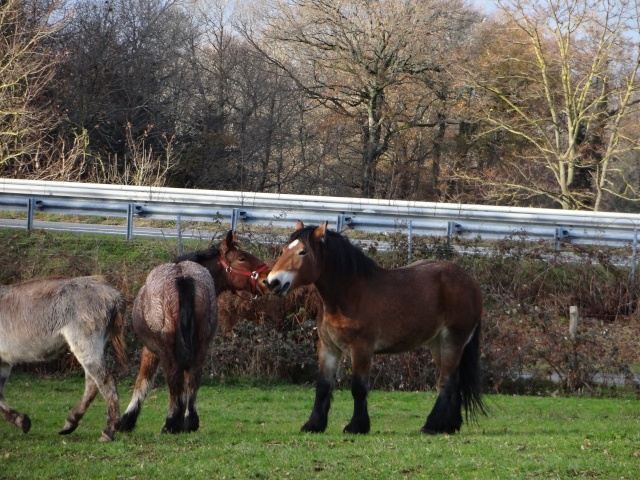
(175, 315)
(368, 309)
(39, 318)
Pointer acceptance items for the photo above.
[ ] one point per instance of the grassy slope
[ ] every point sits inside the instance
(252, 432)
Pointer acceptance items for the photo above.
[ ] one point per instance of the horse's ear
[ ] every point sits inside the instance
(299, 225)
(320, 232)
(229, 241)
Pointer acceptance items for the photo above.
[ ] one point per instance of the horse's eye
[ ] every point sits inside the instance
(302, 252)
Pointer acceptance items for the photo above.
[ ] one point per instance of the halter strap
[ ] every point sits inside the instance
(254, 275)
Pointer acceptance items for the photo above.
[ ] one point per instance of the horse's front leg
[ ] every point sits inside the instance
(20, 420)
(360, 366)
(329, 358)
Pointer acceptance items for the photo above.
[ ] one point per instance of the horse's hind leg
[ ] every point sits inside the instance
(193, 379)
(175, 381)
(149, 363)
(20, 420)
(329, 359)
(360, 366)
(446, 415)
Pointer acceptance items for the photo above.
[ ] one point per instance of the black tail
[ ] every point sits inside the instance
(186, 330)
(471, 378)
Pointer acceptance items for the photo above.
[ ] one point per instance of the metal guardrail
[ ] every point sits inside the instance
(282, 210)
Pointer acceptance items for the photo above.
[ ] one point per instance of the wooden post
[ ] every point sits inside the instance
(573, 322)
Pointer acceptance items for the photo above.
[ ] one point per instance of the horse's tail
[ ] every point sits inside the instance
(117, 337)
(471, 378)
(186, 329)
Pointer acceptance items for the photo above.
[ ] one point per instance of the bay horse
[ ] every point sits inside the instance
(368, 310)
(175, 315)
(39, 318)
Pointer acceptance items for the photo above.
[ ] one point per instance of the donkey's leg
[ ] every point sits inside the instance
(149, 363)
(90, 392)
(446, 415)
(174, 422)
(360, 365)
(20, 420)
(329, 358)
(89, 351)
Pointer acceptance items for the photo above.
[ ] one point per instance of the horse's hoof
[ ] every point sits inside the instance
(23, 422)
(431, 431)
(126, 423)
(311, 428)
(357, 430)
(68, 428)
(428, 431)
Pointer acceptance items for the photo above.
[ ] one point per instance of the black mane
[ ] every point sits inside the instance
(338, 253)
(199, 256)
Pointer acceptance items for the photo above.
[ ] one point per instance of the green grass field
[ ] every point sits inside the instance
(252, 432)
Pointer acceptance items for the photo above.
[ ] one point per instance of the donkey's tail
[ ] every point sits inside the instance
(117, 337)
(186, 332)
(471, 378)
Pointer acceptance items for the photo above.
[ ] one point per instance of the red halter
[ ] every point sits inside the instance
(254, 275)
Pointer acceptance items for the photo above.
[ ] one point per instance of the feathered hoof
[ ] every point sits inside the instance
(356, 429)
(310, 427)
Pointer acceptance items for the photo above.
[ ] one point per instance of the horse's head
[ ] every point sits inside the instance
(244, 271)
(297, 265)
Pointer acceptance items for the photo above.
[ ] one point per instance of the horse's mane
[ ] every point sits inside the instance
(199, 256)
(338, 253)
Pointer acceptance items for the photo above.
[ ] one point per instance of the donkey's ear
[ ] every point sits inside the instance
(299, 225)
(320, 232)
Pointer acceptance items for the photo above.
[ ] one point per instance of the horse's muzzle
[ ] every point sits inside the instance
(276, 287)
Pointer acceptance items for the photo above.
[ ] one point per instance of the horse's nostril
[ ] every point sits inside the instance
(272, 285)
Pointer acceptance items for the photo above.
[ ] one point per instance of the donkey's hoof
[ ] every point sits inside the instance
(106, 437)
(68, 428)
(23, 422)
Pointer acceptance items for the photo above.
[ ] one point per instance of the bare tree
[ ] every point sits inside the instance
(126, 83)
(563, 79)
(28, 60)
(360, 59)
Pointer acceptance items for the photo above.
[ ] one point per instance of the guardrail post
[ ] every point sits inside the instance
(562, 234)
(634, 256)
(410, 242)
(343, 220)
(30, 208)
(236, 215)
(453, 229)
(130, 211)
(179, 227)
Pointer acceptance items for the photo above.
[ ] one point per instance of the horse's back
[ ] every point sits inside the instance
(158, 301)
(406, 307)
